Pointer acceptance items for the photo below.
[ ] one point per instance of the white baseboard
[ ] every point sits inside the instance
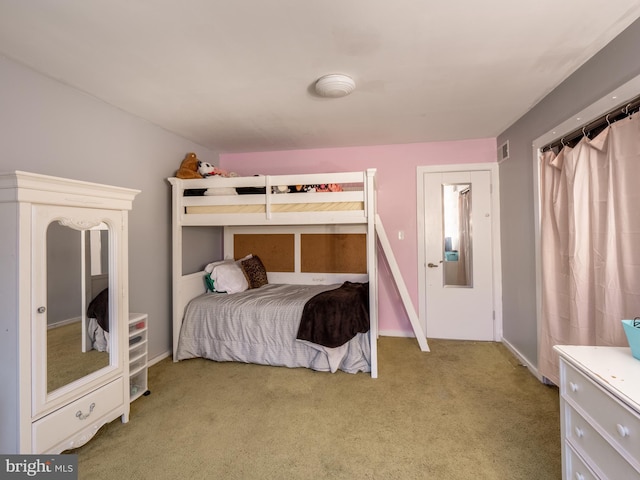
(62, 323)
(395, 333)
(530, 366)
(158, 358)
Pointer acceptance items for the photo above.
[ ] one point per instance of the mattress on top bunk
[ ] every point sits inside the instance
(260, 326)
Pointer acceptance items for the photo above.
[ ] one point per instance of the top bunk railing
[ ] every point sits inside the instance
(343, 197)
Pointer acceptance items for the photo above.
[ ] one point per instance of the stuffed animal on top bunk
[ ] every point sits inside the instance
(207, 170)
(328, 187)
(189, 167)
(324, 187)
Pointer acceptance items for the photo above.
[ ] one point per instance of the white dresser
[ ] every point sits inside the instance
(599, 413)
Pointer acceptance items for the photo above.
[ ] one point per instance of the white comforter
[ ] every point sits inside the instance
(260, 326)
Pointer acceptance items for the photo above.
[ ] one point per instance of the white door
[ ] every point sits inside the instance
(458, 255)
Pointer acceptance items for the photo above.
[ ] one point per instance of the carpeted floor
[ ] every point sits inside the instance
(467, 410)
(65, 360)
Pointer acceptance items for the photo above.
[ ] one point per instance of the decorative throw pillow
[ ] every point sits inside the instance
(229, 277)
(254, 271)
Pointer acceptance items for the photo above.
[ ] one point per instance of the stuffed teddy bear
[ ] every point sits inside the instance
(189, 167)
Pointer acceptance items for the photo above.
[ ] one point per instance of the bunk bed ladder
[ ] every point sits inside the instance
(402, 288)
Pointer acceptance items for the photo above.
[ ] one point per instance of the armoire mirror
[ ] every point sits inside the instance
(77, 271)
(458, 241)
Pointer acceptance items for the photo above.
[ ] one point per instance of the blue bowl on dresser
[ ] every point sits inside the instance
(633, 336)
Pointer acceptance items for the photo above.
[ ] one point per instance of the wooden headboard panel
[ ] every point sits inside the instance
(333, 252)
(276, 250)
(303, 254)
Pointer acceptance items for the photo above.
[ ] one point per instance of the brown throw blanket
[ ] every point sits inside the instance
(99, 309)
(334, 317)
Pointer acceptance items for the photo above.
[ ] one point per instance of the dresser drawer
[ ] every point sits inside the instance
(621, 424)
(576, 469)
(75, 423)
(594, 448)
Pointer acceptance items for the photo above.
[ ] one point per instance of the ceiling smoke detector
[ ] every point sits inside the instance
(335, 85)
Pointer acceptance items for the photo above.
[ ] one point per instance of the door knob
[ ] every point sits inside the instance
(432, 265)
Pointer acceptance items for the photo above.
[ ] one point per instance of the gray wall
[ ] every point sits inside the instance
(64, 274)
(613, 66)
(49, 128)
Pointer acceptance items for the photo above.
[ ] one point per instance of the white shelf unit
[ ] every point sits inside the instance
(138, 350)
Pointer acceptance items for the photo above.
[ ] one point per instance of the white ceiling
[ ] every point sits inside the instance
(237, 76)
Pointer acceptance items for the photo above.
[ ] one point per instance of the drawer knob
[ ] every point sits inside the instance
(82, 416)
(622, 430)
(573, 386)
(579, 432)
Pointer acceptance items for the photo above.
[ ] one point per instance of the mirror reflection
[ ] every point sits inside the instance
(76, 270)
(457, 241)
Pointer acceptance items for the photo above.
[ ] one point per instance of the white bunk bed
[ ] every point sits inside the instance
(264, 211)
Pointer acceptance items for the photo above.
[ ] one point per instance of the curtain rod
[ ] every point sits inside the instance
(621, 111)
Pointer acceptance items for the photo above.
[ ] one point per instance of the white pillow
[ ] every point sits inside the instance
(228, 277)
(209, 268)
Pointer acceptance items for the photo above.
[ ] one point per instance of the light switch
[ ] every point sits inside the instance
(400, 234)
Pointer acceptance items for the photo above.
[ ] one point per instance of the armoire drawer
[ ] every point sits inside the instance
(621, 425)
(79, 419)
(594, 448)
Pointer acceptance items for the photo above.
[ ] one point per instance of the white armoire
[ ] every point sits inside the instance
(56, 390)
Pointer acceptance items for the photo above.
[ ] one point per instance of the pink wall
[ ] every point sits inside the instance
(396, 181)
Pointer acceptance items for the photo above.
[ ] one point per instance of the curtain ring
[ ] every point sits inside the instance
(607, 119)
(584, 133)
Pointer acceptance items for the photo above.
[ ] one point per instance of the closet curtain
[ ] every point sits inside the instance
(590, 241)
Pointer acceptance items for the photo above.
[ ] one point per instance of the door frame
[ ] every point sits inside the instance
(496, 261)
